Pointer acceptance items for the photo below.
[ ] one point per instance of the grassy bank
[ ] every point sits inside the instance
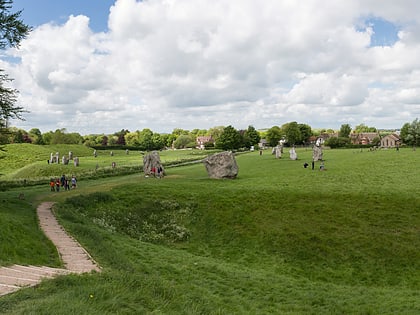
(278, 239)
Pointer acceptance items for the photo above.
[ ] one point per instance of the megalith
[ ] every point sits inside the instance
(317, 153)
(221, 165)
(293, 154)
(152, 164)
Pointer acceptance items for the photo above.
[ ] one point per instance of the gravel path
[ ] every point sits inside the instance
(75, 258)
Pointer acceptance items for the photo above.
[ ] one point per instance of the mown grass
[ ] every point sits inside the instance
(280, 239)
(27, 164)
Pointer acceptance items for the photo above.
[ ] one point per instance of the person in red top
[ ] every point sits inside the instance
(57, 184)
(52, 184)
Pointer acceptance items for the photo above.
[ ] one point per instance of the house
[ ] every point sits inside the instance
(202, 140)
(390, 141)
(363, 138)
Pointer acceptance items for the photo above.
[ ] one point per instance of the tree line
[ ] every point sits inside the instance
(225, 138)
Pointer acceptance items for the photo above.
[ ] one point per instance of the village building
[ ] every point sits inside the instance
(363, 138)
(390, 141)
(201, 141)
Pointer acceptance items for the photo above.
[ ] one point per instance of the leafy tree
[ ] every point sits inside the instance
(404, 132)
(61, 137)
(363, 128)
(292, 132)
(252, 134)
(230, 139)
(158, 141)
(215, 132)
(36, 136)
(274, 135)
(305, 132)
(411, 134)
(145, 139)
(337, 142)
(345, 130)
(104, 141)
(184, 141)
(12, 32)
(121, 136)
(132, 139)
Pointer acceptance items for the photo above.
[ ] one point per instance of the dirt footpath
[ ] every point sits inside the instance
(75, 258)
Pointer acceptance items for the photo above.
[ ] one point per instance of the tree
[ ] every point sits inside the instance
(230, 139)
(305, 132)
(345, 130)
(184, 141)
(411, 133)
(36, 136)
(252, 135)
(292, 132)
(274, 135)
(120, 136)
(12, 32)
(363, 128)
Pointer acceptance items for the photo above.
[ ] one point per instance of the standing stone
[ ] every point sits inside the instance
(57, 157)
(221, 165)
(64, 160)
(51, 158)
(76, 161)
(317, 153)
(293, 154)
(278, 152)
(70, 155)
(95, 154)
(151, 161)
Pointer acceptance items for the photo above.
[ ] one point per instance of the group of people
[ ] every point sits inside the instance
(157, 172)
(64, 182)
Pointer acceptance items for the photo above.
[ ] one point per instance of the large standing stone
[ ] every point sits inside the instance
(278, 152)
(293, 154)
(221, 165)
(152, 162)
(317, 153)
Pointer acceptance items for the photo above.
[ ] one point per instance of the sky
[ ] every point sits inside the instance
(100, 66)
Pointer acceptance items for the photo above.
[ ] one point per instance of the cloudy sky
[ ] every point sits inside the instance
(101, 66)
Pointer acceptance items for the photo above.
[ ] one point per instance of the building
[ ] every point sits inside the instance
(363, 138)
(203, 140)
(390, 141)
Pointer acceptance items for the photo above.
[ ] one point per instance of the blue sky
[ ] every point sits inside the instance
(37, 12)
(99, 66)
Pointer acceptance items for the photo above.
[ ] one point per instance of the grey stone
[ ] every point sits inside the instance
(293, 154)
(317, 153)
(151, 164)
(221, 165)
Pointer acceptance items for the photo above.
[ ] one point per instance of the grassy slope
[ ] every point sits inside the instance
(27, 161)
(278, 239)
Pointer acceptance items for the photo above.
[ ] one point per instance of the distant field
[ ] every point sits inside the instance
(29, 162)
(279, 239)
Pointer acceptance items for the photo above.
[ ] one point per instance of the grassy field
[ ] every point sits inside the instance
(28, 164)
(279, 239)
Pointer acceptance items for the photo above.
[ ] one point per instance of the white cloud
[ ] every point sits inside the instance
(198, 64)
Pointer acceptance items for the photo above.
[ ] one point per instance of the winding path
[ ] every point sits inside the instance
(75, 258)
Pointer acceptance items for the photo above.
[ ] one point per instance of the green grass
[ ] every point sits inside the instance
(279, 239)
(26, 164)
